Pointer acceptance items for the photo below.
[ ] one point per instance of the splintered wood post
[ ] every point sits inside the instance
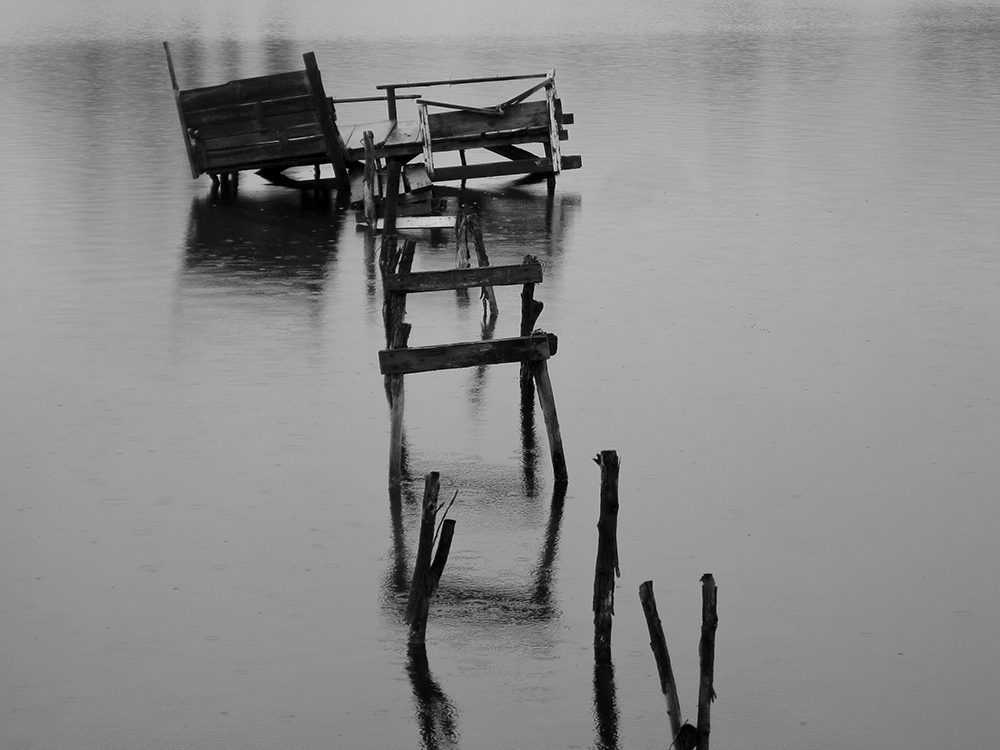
(389, 204)
(427, 574)
(706, 654)
(659, 646)
(530, 310)
(607, 550)
(547, 400)
(401, 334)
(371, 214)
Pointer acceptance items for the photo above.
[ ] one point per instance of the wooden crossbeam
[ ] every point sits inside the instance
(464, 278)
(537, 347)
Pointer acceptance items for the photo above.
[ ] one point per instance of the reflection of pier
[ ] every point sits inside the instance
(281, 244)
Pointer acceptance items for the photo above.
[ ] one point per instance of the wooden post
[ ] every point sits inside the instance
(607, 550)
(389, 202)
(427, 574)
(547, 400)
(659, 646)
(530, 310)
(390, 102)
(706, 654)
(371, 214)
(396, 399)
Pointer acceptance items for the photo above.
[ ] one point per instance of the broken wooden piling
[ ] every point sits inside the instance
(659, 646)
(427, 574)
(706, 654)
(607, 550)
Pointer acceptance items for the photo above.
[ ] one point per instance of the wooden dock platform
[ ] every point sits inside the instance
(270, 124)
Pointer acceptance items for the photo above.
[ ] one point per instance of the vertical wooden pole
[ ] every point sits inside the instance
(390, 102)
(371, 214)
(659, 646)
(706, 654)
(547, 400)
(396, 400)
(427, 574)
(530, 310)
(607, 550)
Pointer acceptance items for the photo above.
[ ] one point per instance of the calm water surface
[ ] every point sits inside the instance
(776, 287)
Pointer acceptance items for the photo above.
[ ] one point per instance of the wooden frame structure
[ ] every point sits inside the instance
(532, 348)
(268, 124)
(502, 129)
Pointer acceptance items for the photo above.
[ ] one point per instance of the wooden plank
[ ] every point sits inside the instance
(256, 138)
(247, 125)
(248, 112)
(335, 149)
(458, 81)
(469, 354)
(420, 222)
(464, 278)
(572, 162)
(511, 152)
(493, 169)
(275, 86)
(445, 125)
(555, 110)
(416, 179)
(295, 152)
(380, 132)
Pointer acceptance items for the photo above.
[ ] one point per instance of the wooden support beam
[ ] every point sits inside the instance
(370, 189)
(706, 653)
(492, 169)
(539, 346)
(659, 646)
(465, 278)
(547, 401)
(607, 550)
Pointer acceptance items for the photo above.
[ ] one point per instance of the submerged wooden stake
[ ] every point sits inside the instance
(607, 550)
(427, 574)
(706, 653)
(659, 646)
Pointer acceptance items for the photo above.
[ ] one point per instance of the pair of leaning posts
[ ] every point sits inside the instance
(532, 348)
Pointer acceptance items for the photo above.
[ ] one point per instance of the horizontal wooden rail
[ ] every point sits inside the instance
(537, 347)
(459, 81)
(464, 278)
(352, 99)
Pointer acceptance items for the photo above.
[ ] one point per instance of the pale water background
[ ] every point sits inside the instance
(776, 287)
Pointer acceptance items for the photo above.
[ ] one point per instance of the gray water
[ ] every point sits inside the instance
(775, 286)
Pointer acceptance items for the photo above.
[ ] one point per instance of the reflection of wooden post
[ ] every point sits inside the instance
(659, 645)
(706, 653)
(427, 574)
(547, 400)
(607, 550)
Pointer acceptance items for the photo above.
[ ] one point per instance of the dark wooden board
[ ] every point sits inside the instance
(464, 278)
(470, 354)
(244, 90)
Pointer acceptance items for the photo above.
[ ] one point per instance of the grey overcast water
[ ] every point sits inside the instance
(776, 287)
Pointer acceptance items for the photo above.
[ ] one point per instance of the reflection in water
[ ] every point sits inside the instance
(519, 219)
(529, 599)
(281, 244)
(605, 702)
(436, 714)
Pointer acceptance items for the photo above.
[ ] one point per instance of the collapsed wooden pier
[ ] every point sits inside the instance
(271, 124)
